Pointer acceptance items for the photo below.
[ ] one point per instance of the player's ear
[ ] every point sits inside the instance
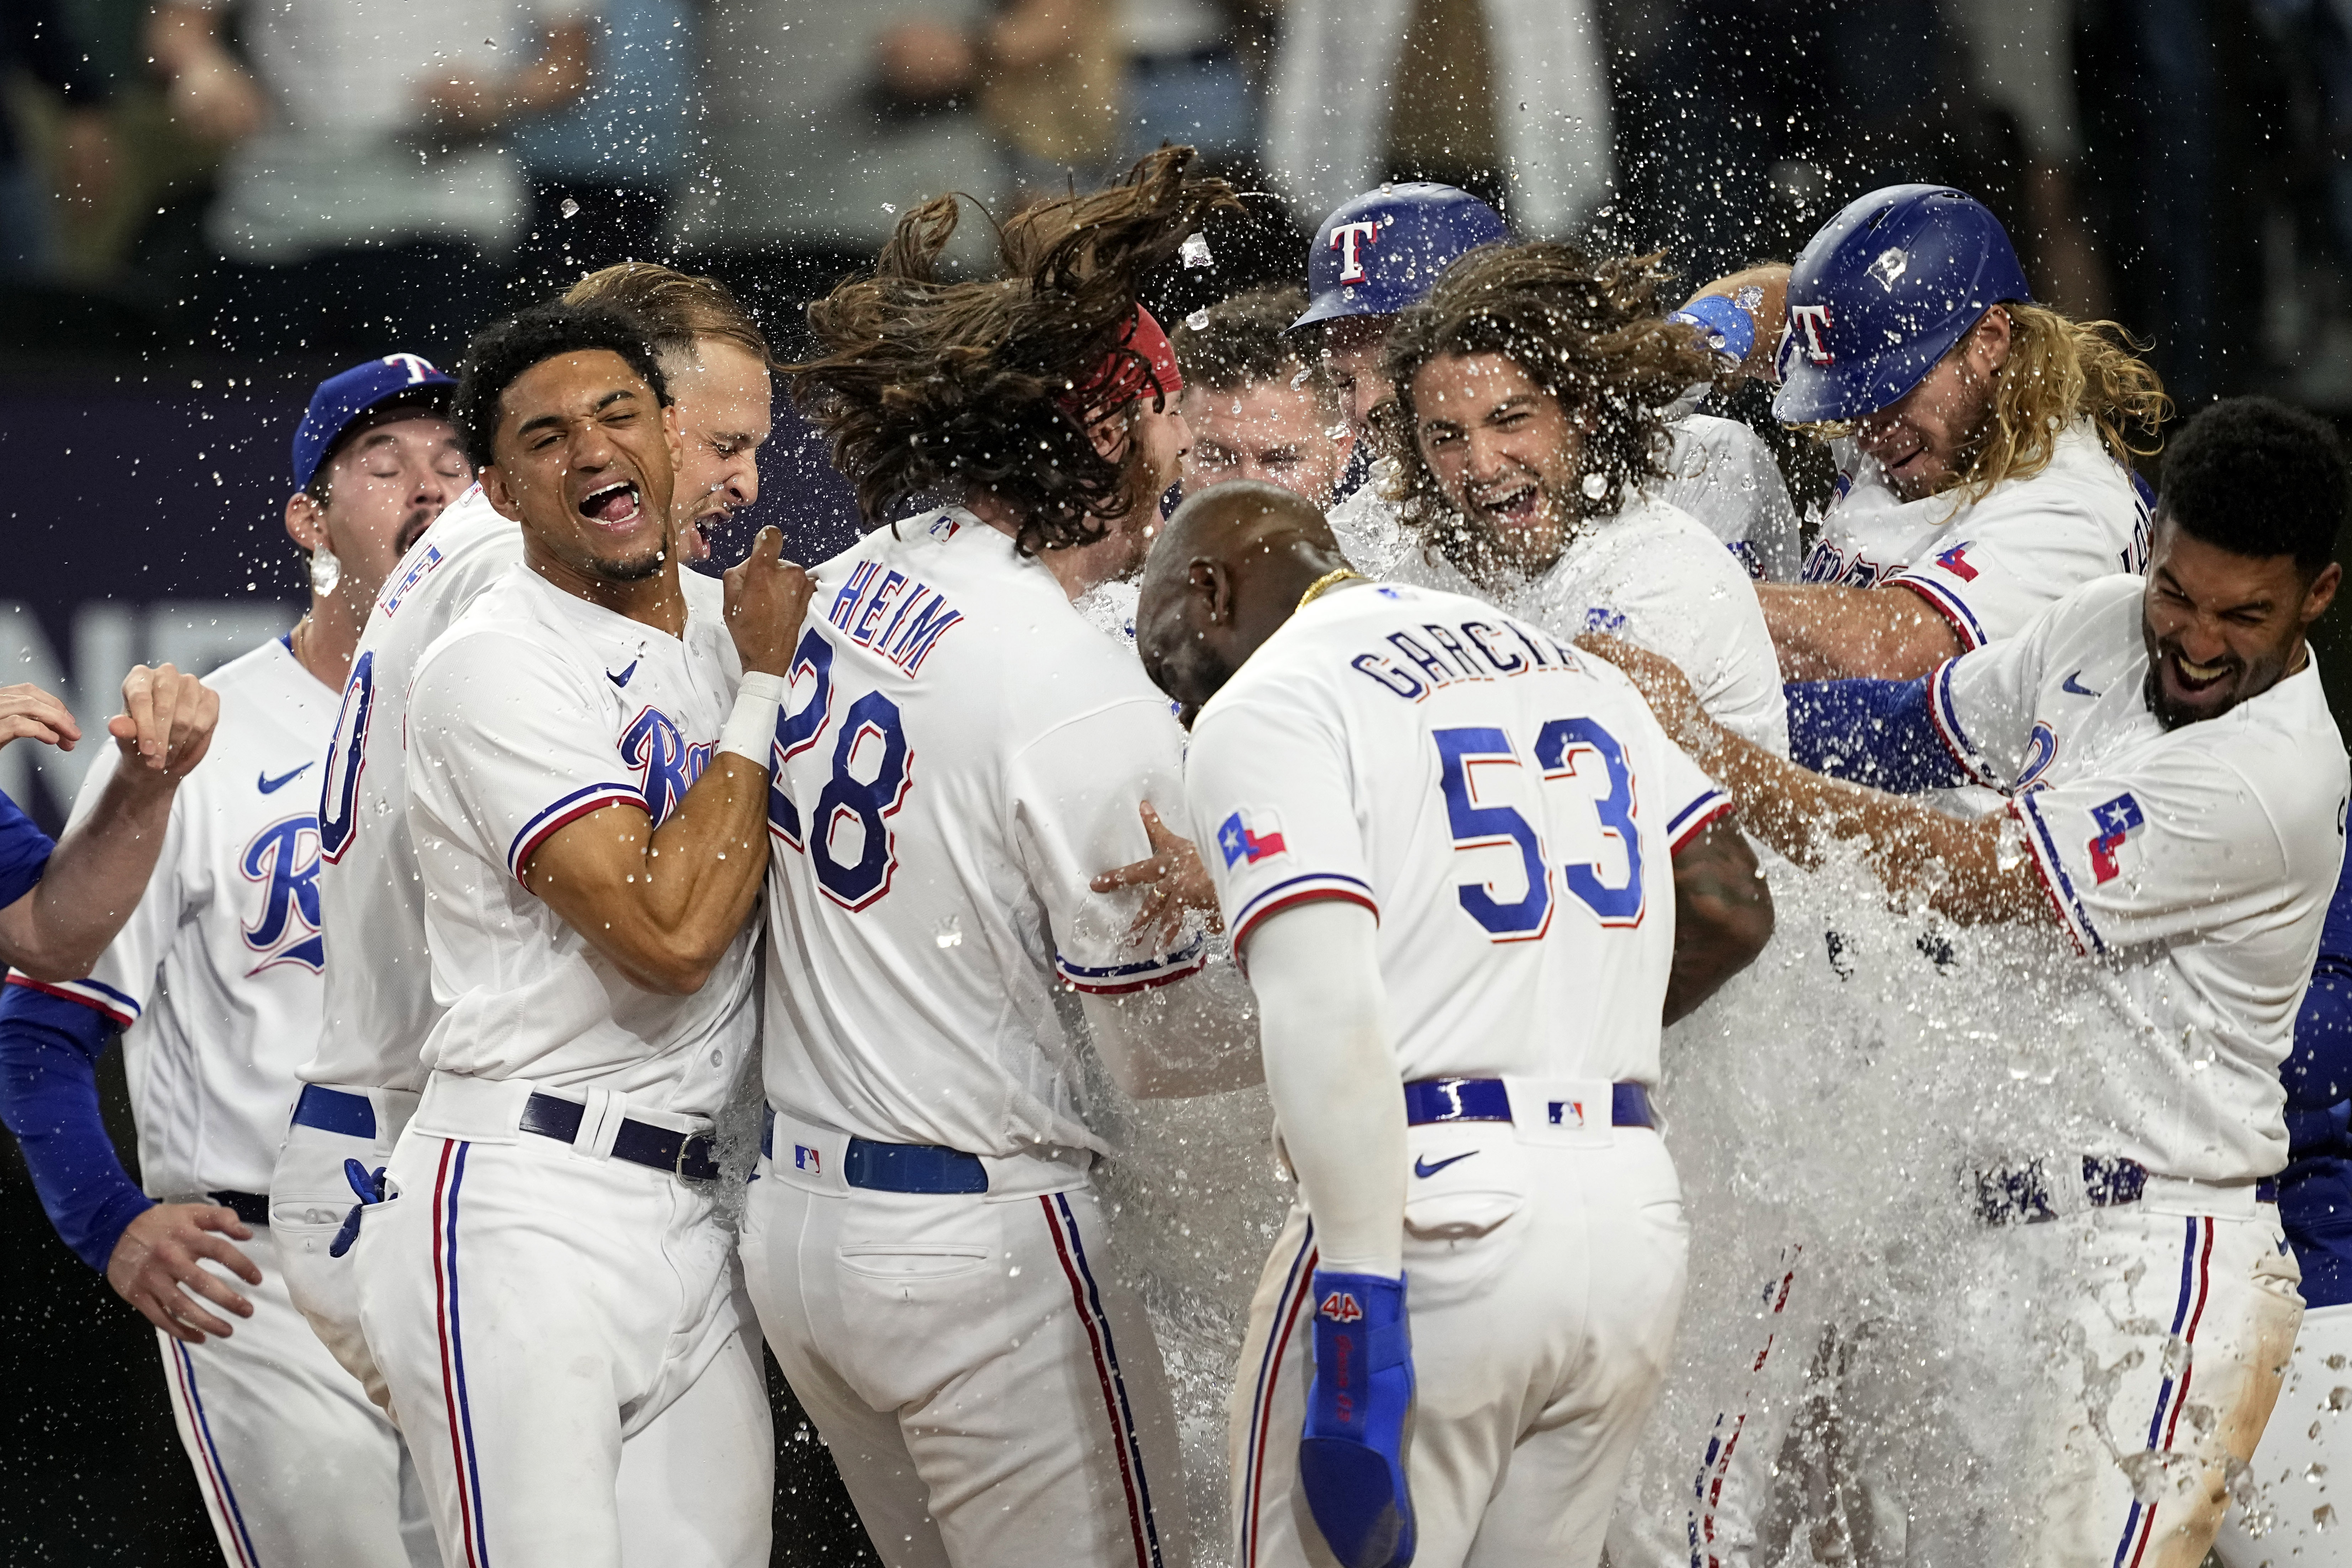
(1214, 584)
(675, 430)
(2322, 592)
(305, 520)
(496, 491)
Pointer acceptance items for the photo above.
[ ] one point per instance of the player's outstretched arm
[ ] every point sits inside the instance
(1957, 867)
(662, 903)
(1823, 631)
(1761, 290)
(100, 867)
(1723, 916)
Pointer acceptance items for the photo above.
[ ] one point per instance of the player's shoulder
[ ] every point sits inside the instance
(2081, 480)
(511, 624)
(466, 548)
(1653, 527)
(1702, 439)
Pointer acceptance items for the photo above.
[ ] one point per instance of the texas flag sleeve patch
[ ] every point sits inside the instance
(1250, 837)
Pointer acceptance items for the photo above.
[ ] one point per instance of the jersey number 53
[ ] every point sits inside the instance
(849, 842)
(1483, 811)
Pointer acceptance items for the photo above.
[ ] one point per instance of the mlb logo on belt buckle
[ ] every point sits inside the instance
(1565, 1112)
(807, 1159)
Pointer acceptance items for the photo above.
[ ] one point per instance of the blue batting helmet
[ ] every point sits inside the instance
(1383, 251)
(342, 399)
(1884, 291)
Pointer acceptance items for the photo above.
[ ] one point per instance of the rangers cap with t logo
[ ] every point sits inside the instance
(343, 397)
(1383, 252)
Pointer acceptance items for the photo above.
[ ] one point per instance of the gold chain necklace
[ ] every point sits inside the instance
(1329, 580)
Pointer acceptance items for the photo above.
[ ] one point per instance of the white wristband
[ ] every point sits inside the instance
(751, 729)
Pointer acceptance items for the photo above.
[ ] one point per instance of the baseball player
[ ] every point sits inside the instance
(1525, 412)
(1456, 853)
(1983, 442)
(961, 751)
(215, 986)
(362, 1086)
(547, 1278)
(1382, 253)
(62, 902)
(2307, 1448)
(1259, 407)
(2176, 790)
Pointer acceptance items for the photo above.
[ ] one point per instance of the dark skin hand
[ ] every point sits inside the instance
(1723, 917)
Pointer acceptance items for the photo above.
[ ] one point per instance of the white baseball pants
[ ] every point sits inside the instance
(2303, 1471)
(310, 1197)
(991, 1394)
(1543, 1287)
(296, 1466)
(563, 1337)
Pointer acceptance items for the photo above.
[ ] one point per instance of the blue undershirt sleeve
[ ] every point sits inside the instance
(2317, 1073)
(24, 852)
(1874, 733)
(48, 1098)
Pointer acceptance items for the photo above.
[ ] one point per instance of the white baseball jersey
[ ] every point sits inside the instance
(2194, 867)
(1653, 575)
(533, 710)
(960, 754)
(379, 1005)
(1722, 474)
(214, 980)
(1989, 566)
(1506, 806)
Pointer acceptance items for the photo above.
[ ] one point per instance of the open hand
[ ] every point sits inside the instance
(29, 712)
(156, 1269)
(167, 719)
(766, 597)
(1173, 880)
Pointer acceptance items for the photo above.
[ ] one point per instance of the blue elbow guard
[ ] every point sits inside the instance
(1352, 1456)
(1723, 326)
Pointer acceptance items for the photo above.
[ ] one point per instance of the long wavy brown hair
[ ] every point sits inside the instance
(927, 386)
(1592, 332)
(2060, 371)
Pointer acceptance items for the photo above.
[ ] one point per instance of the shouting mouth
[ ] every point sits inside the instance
(2190, 676)
(1514, 508)
(614, 506)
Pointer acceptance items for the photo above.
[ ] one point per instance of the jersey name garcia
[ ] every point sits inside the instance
(534, 709)
(1506, 805)
(1990, 566)
(379, 987)
(214, 980)
(960, 753)
(2191, 867)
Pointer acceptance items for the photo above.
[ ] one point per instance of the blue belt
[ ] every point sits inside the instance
(686, 1155)
(2019, 1194)
(332, 1111)
(897, 1167)
(1432, 1099)
(253, 1208)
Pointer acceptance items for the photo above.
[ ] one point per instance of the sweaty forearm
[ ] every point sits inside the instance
(94, 879)
(704, 867)
(1331, 1070)
(1723, 917)
(1825, 631)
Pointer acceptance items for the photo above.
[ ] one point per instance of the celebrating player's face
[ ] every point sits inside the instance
(1505, 454)
(586, 461)
(723, 400)
(1925, 435)
(392, 474)
(1351, 352)
(2221, 628)
(1266, 430)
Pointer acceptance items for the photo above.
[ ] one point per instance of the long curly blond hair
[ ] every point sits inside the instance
(2059, 371)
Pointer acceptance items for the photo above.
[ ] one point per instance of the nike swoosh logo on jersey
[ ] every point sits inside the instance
(2074, 685)
(272, 786)
(1422, 1167)
(622, 678)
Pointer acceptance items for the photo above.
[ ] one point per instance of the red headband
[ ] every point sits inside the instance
(1144, 362)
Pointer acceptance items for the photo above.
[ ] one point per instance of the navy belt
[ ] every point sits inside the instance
(893, 1167)
(332, 1111)
(253, 1208)
(686, 1155)
(2019, 1194)
(1430, 1100)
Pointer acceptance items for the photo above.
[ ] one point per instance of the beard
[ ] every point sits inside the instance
(1497, 557)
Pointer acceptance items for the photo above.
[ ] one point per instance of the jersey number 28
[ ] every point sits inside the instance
(1564, 750)
(872, 767)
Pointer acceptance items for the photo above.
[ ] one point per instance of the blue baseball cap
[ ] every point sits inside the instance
(1383, 252)
(342, 398)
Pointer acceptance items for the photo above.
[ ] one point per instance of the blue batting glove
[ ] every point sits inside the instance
(1722, 326)
(1352, 1456)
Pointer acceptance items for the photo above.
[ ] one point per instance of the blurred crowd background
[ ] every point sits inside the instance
(206, 207)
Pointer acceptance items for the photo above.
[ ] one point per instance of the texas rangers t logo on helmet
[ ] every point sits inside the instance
(1809, 325)
(1345, 238)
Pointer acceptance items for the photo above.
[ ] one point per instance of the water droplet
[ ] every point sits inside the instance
(948, 933)
(1595, 485)
(1194, 251)
(1198, 320)
(889, 206)
(1300, 379)
(2324, 1516)
(570, 207)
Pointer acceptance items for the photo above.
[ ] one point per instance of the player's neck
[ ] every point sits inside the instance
(1079, 570)
(325, 639)
(654, 601)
